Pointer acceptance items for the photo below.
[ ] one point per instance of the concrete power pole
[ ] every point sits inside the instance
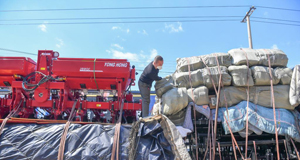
(247, 18)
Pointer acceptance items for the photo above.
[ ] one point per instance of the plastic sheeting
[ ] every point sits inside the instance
(162, 140)
(152, 142)
(90, 141)
(34, 141)
(260, 118)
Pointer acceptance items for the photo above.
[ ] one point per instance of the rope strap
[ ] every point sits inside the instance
(231, 133)
(287, 156)
(115, 149)
(12, 113)
(196, 135)
(295, 148)
(208, 139)
(273, 104)
(95, 74)
(255, 149)
(219, 148)
(62, 143)
(247, 109)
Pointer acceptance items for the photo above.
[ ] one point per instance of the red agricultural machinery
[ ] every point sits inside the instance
(47, 89)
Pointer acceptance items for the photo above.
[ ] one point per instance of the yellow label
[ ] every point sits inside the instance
(98, 105)
(43, 68)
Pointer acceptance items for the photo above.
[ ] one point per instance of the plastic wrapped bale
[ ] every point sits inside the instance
(281, 96)
(200, 95)
(203, 77)
(197, 63)
(261, 76)
(174, 100)
(239, 75)
(156, 109)
(285, 75)
(258, 57)
(295, 86)
(178, 118)
(260, 119)
(182, 79)
(163, 85)
(260, 95)
(234, 95)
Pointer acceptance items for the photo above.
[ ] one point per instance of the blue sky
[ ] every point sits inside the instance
(139, 43)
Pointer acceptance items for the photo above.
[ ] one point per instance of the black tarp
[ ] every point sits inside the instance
(89, 142)
(152, 144)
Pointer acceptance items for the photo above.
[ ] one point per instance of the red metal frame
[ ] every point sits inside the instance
(69, 77)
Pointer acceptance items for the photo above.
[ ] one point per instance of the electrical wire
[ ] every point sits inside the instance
(10, 50)
(275, 23)
(275, 19)
(159, 71)
(114, 22)
(286, 9)
(55, 23)
(140, 8)
(121, 8)
(107, 18)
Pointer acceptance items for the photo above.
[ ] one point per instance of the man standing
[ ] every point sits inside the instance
(149, 75)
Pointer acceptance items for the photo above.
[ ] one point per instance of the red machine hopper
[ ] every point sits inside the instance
(50, 87)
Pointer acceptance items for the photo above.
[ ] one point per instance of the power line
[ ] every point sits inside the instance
(10, 50)
(286, 9)
(107, 18)
(276, 23)
(139, 8)
(121, 8)
(28, 53)
(121, 22)
(277, 19)
(159, 71)
(218, 20)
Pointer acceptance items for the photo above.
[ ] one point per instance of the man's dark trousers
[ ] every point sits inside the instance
(145, 93)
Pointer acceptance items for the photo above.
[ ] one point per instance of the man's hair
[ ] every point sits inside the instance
(158, 58)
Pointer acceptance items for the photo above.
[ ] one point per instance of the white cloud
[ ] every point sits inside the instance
(121, 29)
(274, 46)
(152, 55)
(143, 56)
(42, 27)
(60, 43)
(117, 46)
(125, 55)
(174, 28)
(115, 27)
(116, 51)
(143, 32)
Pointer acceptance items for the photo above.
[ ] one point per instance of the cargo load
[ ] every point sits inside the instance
(199, 62)
(258, 57)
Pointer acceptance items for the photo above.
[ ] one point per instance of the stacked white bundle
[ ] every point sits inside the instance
(196, 76)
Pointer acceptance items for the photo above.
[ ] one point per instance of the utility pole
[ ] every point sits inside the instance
(247, 18)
